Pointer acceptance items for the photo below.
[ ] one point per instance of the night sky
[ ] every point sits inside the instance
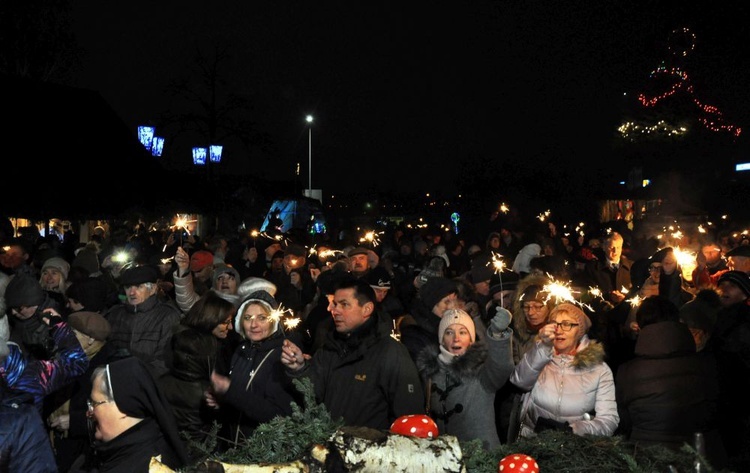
(410, 89)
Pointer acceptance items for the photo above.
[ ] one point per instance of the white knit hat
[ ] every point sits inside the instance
(456, 316)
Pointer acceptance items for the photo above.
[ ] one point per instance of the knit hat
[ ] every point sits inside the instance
(738, 278)
(88, 260)
(137, 275)
(741, 250)
(200, 259)
(59, 264)
(222, 268)
(252, 284)
(23, 290)
(433, 270)
(90, 323)
(574, 311)
(456, 316)
(661, 254)
(379, 278)
(435, 289)
(90, 292)
(701, 312)
(263, 298)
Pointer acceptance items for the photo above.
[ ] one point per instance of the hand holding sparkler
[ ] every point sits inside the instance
(292, 356)
(183, 262)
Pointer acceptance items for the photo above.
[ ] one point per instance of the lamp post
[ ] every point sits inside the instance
(309, 120)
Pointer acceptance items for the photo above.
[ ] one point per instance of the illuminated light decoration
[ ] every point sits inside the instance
(157, 146)
(632, 130)
(146, 136)
(681, 43)
(199, 156)
(742, 167)
(455, 217)
(215, 153)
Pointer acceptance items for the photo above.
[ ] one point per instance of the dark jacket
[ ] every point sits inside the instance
(260, 390)
(668, 391)
(24, 444)
(144, 331)
(366, 377)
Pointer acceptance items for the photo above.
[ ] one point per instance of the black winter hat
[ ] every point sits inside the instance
(741, 250)
(90, 292)
(738, 278)
(23, 290)
(139, 275)
(435, 289)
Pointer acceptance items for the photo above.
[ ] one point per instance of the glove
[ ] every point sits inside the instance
(501, 320)
(543, 423)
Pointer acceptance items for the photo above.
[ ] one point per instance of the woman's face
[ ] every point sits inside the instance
(654, 271)
(535, 312)
(456, 339)
(256, 322)
(566, 341)
(104, 413)
(51, 278)
(669, 263)
(222, 330)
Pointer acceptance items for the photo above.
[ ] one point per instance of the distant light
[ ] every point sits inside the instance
(216, 153)
(622, 183)
(742, 167)
(146, 136)
(646, 182)
(199, 156)
(309, 118)
(157, 146)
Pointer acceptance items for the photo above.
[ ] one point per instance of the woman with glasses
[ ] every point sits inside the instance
(532, 304)
(257, 388)
(567, 385)
(131, 420)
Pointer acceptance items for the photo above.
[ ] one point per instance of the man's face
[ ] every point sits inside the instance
(613, 250)
(346, 311)
(13, 257)
(730, 294)
(358, 263)
(712, 253)
(447, 302)
(138, 294)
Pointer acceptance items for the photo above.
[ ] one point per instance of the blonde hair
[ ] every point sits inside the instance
(573, 311)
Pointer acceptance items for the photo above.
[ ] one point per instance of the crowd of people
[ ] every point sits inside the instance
(135, 344)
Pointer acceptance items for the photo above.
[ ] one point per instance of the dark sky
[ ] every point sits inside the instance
(411, 88)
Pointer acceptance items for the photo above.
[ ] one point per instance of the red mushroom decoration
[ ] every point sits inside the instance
(518, 463)
(415, 425)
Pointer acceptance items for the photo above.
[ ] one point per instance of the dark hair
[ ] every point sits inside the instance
(208, 312)
(656, 309)
(362, 290)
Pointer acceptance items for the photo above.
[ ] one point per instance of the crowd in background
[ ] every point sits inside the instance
(138, 342)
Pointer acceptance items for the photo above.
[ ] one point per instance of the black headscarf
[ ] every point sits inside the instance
(136, 394)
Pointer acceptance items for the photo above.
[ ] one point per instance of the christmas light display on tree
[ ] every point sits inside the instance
(674, 80)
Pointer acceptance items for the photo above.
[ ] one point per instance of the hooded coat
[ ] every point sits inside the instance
(578, 389)
(462, 393)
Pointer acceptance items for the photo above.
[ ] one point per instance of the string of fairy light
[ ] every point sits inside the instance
(681, 43)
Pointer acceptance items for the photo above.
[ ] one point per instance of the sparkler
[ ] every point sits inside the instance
(635, 301)
(371, 237)
(504, 208)
(395, 333)
(499, 265)
(562, 292)
(254, 234)
(544, 215)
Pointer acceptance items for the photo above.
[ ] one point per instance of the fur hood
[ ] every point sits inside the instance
(467, 365)
(589, 353)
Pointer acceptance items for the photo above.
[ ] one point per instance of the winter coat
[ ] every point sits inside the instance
(577, 389)
(39, 378)
(24, 444)
(185, 294)
(32, 335)
(462, 394)
(598, 274)
(145, 331)
(259, 390)
(668, 391)
(365, 377)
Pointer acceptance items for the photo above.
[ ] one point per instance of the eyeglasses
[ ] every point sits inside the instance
(93, 404)
(654, 268)
(565, 325)
(226, 322)
(532, 307)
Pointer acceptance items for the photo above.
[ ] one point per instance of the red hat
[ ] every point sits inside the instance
(200, 260)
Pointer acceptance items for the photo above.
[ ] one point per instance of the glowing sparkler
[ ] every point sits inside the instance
(395, 333)
(499, 266)
(504, 208)
(544, 215)
(635, 301)
(562, 292)
(371, 237)
(687, 262)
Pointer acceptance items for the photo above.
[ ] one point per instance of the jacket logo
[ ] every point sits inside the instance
(360, 377)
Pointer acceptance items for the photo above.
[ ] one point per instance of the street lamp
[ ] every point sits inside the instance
(309, 120)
